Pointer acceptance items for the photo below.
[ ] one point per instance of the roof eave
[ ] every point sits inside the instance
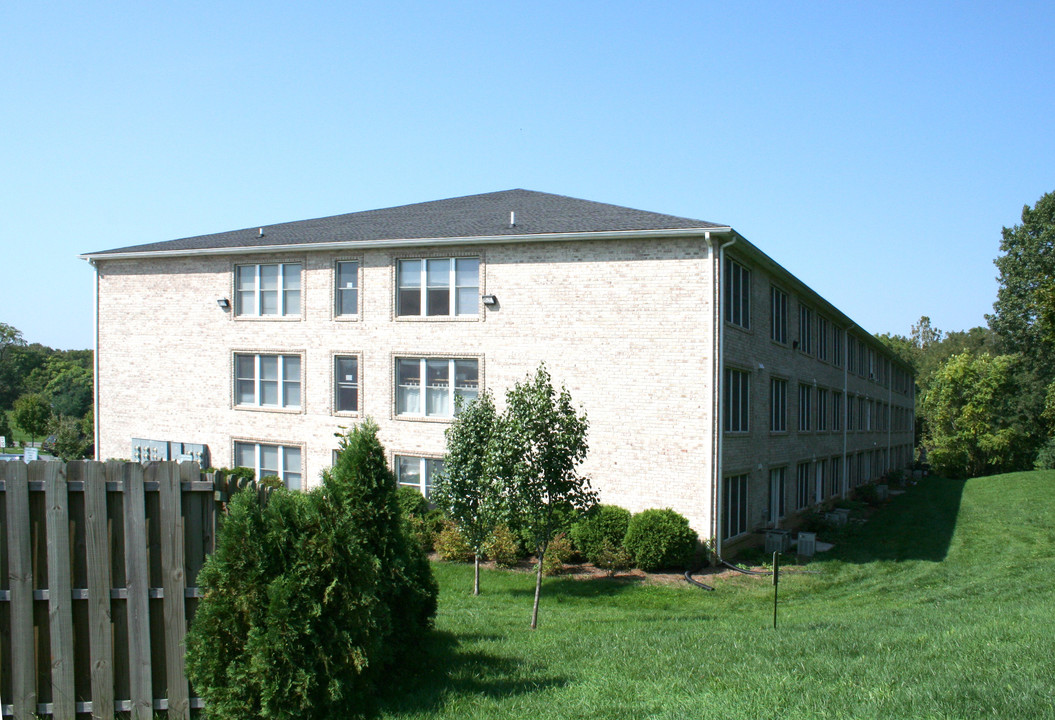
(413, 242)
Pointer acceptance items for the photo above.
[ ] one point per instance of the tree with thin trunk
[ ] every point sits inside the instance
(32, 414)
(466, 490)
(539, 442)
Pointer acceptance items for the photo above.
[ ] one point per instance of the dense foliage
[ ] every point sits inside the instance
(310, 597)
(659, 539)
(600, 531)
(467, 491)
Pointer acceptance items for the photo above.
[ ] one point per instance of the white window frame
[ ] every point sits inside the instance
(778, 405)
(281, 381)
(802, 485)
(340, 292)
(737, 410)
(423, 287)
(735, 506)
(822, 409)
(778, 308)
(453, 390)
(428, 468)
(777, 494)
(338, 383)
(822, 337)
(805, 407)
(805, 328)
(292, 480)
(284, 290)
(737, 294)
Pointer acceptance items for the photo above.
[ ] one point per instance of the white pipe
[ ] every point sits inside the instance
(844, 483)
(718, 377)
(95, 359)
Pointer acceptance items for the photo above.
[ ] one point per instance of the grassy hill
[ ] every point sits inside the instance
(942, 606)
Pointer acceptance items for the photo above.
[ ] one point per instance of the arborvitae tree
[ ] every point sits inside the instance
(310, 598)
(466, 490)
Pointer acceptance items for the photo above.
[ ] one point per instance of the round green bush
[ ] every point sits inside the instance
(411, 502)
(659, 539)
(603, 524)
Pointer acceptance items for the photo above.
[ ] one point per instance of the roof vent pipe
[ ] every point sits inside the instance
(512, 219)
(261, 233)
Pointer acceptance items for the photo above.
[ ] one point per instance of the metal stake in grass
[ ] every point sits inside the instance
(776, 583)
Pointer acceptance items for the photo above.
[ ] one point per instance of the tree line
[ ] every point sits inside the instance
(986, 396)
(45, 392)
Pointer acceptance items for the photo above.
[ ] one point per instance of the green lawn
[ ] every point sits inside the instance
(942, 606)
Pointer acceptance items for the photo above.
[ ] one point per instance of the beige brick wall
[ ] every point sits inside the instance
(625, 325)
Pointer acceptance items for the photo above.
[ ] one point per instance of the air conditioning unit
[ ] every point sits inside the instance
(836, 518)
(807, 546)
(778, 541)
(882, 491)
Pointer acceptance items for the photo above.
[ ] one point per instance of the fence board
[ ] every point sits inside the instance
(60, 602)
(137, 582)
(99, 584)
(20, 572)
(175, 578)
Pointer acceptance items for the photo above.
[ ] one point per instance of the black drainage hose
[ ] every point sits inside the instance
(697, 583)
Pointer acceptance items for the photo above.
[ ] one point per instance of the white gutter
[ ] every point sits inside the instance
(95, 358)
(413, 242)
(719, 375)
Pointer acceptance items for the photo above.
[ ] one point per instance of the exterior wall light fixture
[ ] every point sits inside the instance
(489, 300)
(224, 303)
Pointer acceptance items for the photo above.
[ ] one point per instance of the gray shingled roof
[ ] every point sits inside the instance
(485, 215)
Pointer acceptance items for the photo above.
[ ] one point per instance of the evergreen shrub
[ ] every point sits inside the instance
(558, 553)
(659, 539)
(603, 524)
(310, 597)
(411, 502)
(1046, 456)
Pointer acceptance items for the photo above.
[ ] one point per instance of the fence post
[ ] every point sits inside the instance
(137, 581)
(97, 555)
(174, 579)
(20, 572)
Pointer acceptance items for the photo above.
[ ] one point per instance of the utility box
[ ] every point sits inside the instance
(807, 546)
(882, 492)
(836, 518)
(778, 541)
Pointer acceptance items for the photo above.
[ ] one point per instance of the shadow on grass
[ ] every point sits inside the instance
(570, 587)
(915, 526)
(442, 670)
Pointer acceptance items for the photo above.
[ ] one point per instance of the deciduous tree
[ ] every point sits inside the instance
(32, 414)
(466, 490)
(538, 445)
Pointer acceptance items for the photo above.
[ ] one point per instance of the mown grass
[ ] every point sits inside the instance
(940, 607)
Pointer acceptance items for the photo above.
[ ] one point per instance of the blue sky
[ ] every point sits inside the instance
(875, 150)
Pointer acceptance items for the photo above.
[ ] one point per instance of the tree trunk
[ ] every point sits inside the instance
(476, 574)
(538, 590)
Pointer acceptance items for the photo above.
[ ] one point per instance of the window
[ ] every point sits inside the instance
(267, 290)
(850, 412)
(346, 293)
(851, 353)
(822, 409)
(805, 329)
(836, 477)
(444, 380)
(837, 346)
(734, 512)
(805, 407)
(837, 411)
(737, 294)
(778, 405)
(281, 461)
(777, 477)
(822, 478)
(346, 384)
(418, 472)
(438, 287)
(737, 400)
(778, 302)
(267, 381)
(802, 485)
(822, 338)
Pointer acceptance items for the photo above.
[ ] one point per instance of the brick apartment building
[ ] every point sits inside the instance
(715, 382)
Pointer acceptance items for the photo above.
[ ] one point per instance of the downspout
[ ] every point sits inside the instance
(889, 416)
(95, 357)
(845, 481)
(719, 317)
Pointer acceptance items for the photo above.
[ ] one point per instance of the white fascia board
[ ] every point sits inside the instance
(414, 242)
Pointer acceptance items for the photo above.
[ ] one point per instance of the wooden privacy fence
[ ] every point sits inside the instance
(98, 569)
